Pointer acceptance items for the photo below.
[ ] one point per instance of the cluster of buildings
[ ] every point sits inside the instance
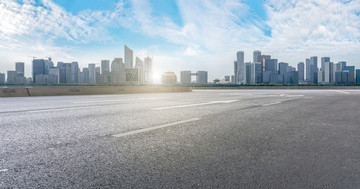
(120, 71)
(266, 70)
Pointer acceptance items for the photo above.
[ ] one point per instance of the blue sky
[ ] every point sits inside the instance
(180, 35)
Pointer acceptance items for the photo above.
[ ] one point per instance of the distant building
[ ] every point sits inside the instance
(301, 72)
(38, 68)
(54, 75)
(185, 77)
(256, 70)
(148, 70)
(202, 77)
(313, 70)
(11, 77)
(74, 72)
(42, 79)
(20, 68)
(132, 75)
(323, 61)
(168, 78)
(357, 76)
(128, 53)
(328, 72)
(2, 78)
(256, 53)
(227, 78)
(283, 73)
(105, 66)
(248, 73)
(308, 70)
(92, 73)
(118, 71)
(239, 67)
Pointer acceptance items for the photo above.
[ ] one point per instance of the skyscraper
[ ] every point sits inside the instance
(74, 72)
(323, 61)
(20, 68)
(2, 78)
(301, 72)
(256, 53)
(256, 70)
(148, 70)
(128, 53)
(308, 70)
(314, 70)
(92, 73)
(283, 73)
(357, 76)
(328, 72)
(185, 77)
(38, 68)
(248, 73)
(240, 68)
(202, 77)
(105, 66)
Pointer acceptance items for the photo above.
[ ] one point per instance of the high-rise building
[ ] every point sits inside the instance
(2, 78)
(323, 61)
(38, 67)
(301, 72)
(185, 77)
(313, 70)
(139, 64)
(74, 72)
(11, 77)
(92, 73)
(128, 53)
(148, 70)
(20, 68)
(248, 73)
(256, 53)
(357, 76)
(308, 70)
(54, 75)
(118, 71)
(256, 70)
(351, 74)
(105, 66)
(240, 68)
(283, 73)
(202, 77)
(328, 72)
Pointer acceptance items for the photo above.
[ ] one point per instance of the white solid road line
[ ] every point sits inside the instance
(199, 104)
(156, 127)
(55, 109)
(274, 103)
(343, 92)
(4, 170)
(118, 100)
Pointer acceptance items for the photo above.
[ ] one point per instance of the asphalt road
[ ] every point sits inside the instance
(203, 139)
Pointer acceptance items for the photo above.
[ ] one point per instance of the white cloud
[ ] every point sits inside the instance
(302, 28)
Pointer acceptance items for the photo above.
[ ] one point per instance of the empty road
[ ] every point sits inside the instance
(203, 139)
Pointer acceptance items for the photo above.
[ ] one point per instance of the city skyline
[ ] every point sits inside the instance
(180, 35)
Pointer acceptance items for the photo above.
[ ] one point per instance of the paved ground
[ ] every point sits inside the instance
(204, 139)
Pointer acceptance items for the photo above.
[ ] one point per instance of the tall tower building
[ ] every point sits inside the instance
(38, 67)
(128, 53)
(328, 72)
(74, 72)
(92, 73)
(300, 68)
(20, 68)
(185, 77)
(105, 66)
(307, 69)
(240, 67)
(314, 70)
(148, 70)
(323, 61)
(256, 53)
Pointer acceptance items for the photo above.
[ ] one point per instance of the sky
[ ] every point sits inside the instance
(179, 35)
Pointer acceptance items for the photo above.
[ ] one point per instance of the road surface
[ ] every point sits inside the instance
(203, 139)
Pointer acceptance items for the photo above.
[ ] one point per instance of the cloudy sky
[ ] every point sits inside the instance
(180, 35)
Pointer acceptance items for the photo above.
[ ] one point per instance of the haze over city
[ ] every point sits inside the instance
(180, 35)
